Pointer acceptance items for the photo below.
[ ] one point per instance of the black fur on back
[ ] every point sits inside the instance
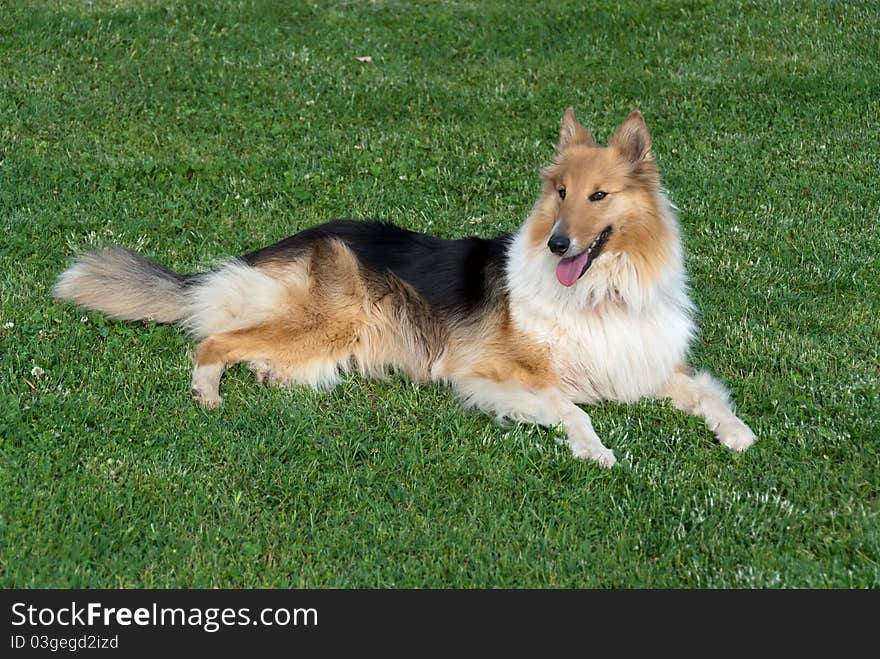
(453, 275)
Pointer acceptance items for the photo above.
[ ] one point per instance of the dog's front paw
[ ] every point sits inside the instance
(735, 435)
(604, 456)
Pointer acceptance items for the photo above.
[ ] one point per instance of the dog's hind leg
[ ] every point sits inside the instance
(205, 385)
(705, 397)
(263, 371)
(304, 355)
(546, 407)
(270, 373)
(212, 357)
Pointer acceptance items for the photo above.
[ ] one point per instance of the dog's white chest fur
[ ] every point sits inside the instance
(611, 354)
(608, 339)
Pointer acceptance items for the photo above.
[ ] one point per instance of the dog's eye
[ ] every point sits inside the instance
(561, 191)
(598, 196)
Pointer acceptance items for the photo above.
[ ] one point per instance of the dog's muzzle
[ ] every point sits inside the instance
(558, 243)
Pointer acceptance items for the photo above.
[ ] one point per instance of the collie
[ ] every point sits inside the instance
(588, 301)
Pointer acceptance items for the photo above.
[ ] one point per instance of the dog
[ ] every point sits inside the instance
(588, 301)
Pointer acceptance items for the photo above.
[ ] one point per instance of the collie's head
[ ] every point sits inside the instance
(602, 223)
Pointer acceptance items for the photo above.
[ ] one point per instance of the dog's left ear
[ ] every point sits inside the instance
(632, 139)
(571, 132)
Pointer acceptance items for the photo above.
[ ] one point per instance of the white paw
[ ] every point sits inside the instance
(205, 385)
(735, 435)
(262, 371)
(604, 456)
(210, 400)
(270, 374)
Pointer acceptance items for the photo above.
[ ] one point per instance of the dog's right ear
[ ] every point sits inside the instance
(571, 132)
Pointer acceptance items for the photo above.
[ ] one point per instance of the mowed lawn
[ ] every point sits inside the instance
(194, 131)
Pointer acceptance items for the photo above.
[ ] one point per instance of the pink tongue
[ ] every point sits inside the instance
(568, 270)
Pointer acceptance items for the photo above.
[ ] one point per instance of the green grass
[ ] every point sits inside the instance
(199, 130)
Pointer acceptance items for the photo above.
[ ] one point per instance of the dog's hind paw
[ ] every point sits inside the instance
(270, 374)
(209, 401)
(735, 435)
(262, 371)
(205, 385)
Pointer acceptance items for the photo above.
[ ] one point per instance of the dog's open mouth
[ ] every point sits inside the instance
(573, 268)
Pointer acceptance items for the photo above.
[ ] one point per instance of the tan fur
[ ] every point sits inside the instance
(330, 322)
(530, 351)
(338, 321)
(493, 349)
(582, 168)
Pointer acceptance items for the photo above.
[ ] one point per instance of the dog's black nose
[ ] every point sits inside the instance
(558, 243)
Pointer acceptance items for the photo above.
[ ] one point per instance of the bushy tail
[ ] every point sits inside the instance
(124, 284)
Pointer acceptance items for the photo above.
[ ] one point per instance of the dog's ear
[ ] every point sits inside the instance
(632, 139)
(571, 132)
